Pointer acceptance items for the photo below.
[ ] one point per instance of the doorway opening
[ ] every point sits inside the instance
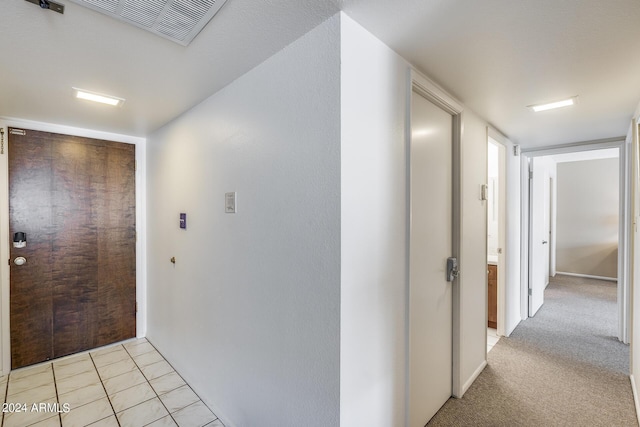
(496, 240)
(576, 200)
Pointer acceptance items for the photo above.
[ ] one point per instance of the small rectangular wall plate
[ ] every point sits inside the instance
(49, 4)
(183, 221)
(230, 202)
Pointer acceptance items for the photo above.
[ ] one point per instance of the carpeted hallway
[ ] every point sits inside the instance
(563, 367)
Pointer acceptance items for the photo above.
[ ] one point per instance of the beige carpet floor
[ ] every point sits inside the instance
(563, 367)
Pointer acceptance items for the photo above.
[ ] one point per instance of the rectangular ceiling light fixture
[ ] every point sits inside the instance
(552, 105)
(98, 97)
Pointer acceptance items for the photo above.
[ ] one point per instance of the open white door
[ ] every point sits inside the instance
(497, 232)
(538, 235)
(430, 295)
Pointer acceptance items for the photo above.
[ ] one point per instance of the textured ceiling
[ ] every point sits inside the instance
(45, 54)
(496, 56)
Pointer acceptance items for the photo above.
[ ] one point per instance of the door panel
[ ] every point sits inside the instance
(430, 302)
(539, 236)
(75, 199)
(31, 288)
(74, 254)
(116, 271)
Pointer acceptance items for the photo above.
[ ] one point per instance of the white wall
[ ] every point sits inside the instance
(372, 347)
(634, 247)
(373, 323)
(250, 312)
(293, 310)
(587, 222)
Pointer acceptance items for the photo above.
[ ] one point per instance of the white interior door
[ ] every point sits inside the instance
(546, 226)
(539, 236)
(497, 224)
(430, 300)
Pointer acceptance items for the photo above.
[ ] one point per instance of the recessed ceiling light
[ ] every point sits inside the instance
(422, 132)
(98, 97)
(552, 105)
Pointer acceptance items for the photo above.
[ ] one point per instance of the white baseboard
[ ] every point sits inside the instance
(588, 276)
(635, 397)
(475, 375)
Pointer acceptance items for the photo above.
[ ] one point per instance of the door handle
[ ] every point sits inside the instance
(20, 261)
(544, 242)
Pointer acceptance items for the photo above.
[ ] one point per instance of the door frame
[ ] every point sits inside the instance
(544, 183)
(624, 300)
(434, 93)
(141, 235)
(492, 139)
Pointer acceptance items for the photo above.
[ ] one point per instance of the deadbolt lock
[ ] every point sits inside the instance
(452, 269)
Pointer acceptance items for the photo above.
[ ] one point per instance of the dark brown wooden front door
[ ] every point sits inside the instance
(74, 198)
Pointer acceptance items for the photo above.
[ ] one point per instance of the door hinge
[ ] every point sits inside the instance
(135, 165)
(530, 292)
(17, 132)
(530, 174)
(136, 306)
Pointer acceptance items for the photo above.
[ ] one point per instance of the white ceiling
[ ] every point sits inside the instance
(496, 56)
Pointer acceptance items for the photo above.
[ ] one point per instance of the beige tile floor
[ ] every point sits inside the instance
(127, 385)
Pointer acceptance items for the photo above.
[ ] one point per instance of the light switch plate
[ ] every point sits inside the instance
(230, 202)
(183, 221)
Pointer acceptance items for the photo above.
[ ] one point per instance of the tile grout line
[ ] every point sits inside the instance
(139, 365)
(34, 388)
(120, 391)
(190, 388)
(55, 386)
(6, 393)
(147, 379)
(174, 370)
(105, 390)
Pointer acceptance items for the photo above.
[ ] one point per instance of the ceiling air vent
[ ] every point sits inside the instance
(177, 20)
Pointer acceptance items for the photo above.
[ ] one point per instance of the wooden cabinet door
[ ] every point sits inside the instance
(75, 200)
(492, 296)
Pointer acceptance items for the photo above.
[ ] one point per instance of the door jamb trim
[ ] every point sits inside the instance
(624, 263)
(141, 231)
(439, 96)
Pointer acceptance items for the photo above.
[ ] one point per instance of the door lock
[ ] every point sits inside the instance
(20, 240)
(452, 269)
